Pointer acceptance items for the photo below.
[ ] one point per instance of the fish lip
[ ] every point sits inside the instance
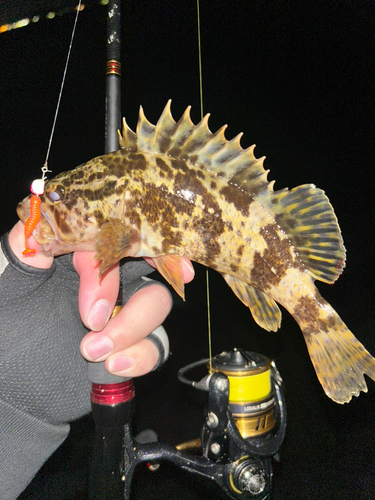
(47, 241)
(50, 222)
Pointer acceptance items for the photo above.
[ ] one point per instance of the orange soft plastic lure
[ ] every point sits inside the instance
(32, 221)
(37, 188)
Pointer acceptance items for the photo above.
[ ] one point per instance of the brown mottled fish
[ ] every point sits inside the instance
(176, 189)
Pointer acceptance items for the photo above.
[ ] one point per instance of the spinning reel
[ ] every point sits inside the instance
(245, 420)
(243, 429)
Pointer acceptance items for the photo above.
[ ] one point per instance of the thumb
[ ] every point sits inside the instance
(17, 244)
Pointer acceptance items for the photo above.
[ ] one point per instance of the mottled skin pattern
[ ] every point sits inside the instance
(169, 209)
(137, 203)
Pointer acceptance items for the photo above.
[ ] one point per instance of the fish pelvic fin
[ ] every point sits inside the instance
(170, 267)
(339, 359)
(265, 311)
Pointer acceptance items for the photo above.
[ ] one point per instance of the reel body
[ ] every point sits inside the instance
(245, 423)
(236, 448)
(243, 428)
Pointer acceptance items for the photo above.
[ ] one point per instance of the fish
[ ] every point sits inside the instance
(175, 189)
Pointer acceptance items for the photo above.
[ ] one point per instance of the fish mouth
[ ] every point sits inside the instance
(48, 235)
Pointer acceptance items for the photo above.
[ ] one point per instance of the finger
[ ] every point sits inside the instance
(143, 313)
(188, 272)
(17, 244)
(135, 361)
(96, 296)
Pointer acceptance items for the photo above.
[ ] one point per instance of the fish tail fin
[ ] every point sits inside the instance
(339, 359)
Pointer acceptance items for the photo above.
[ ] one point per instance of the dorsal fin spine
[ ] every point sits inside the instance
(163, 131)
(127, 138)
(229, 150)
(145, 131)
(198, 136)
(197, 144)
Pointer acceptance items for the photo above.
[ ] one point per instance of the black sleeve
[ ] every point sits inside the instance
(44, 382)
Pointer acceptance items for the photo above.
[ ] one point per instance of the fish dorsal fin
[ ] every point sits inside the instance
(164, 131)
(307, 217)
(145, 133)
(127, 138)
(196, 144)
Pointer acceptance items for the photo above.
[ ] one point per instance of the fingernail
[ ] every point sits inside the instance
(121, 364)
(97, 348)
(99, 315)
(188, 266)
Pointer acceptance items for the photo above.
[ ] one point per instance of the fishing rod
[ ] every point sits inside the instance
(112, 397)
(245, 419)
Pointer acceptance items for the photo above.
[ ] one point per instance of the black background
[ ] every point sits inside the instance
(294, 76)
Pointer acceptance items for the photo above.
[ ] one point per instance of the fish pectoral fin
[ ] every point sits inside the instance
(169, 266)
(113, 243)
(265, 311)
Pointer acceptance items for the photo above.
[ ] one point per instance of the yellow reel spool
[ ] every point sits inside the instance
(251, 397)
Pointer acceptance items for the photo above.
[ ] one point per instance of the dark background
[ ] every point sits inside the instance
(294, 76)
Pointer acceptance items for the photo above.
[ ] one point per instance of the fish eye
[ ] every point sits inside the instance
(56, 194)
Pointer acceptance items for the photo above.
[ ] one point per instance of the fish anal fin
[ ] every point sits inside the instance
(169, 266)
(113, 243)
(265, 311)
(307, 217)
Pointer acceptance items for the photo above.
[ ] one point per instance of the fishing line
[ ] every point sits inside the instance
(201, 105)
(37, 186)
(200, 59)
(45, 166)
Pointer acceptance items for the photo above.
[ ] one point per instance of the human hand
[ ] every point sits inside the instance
(45, 304)
(120, 341)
